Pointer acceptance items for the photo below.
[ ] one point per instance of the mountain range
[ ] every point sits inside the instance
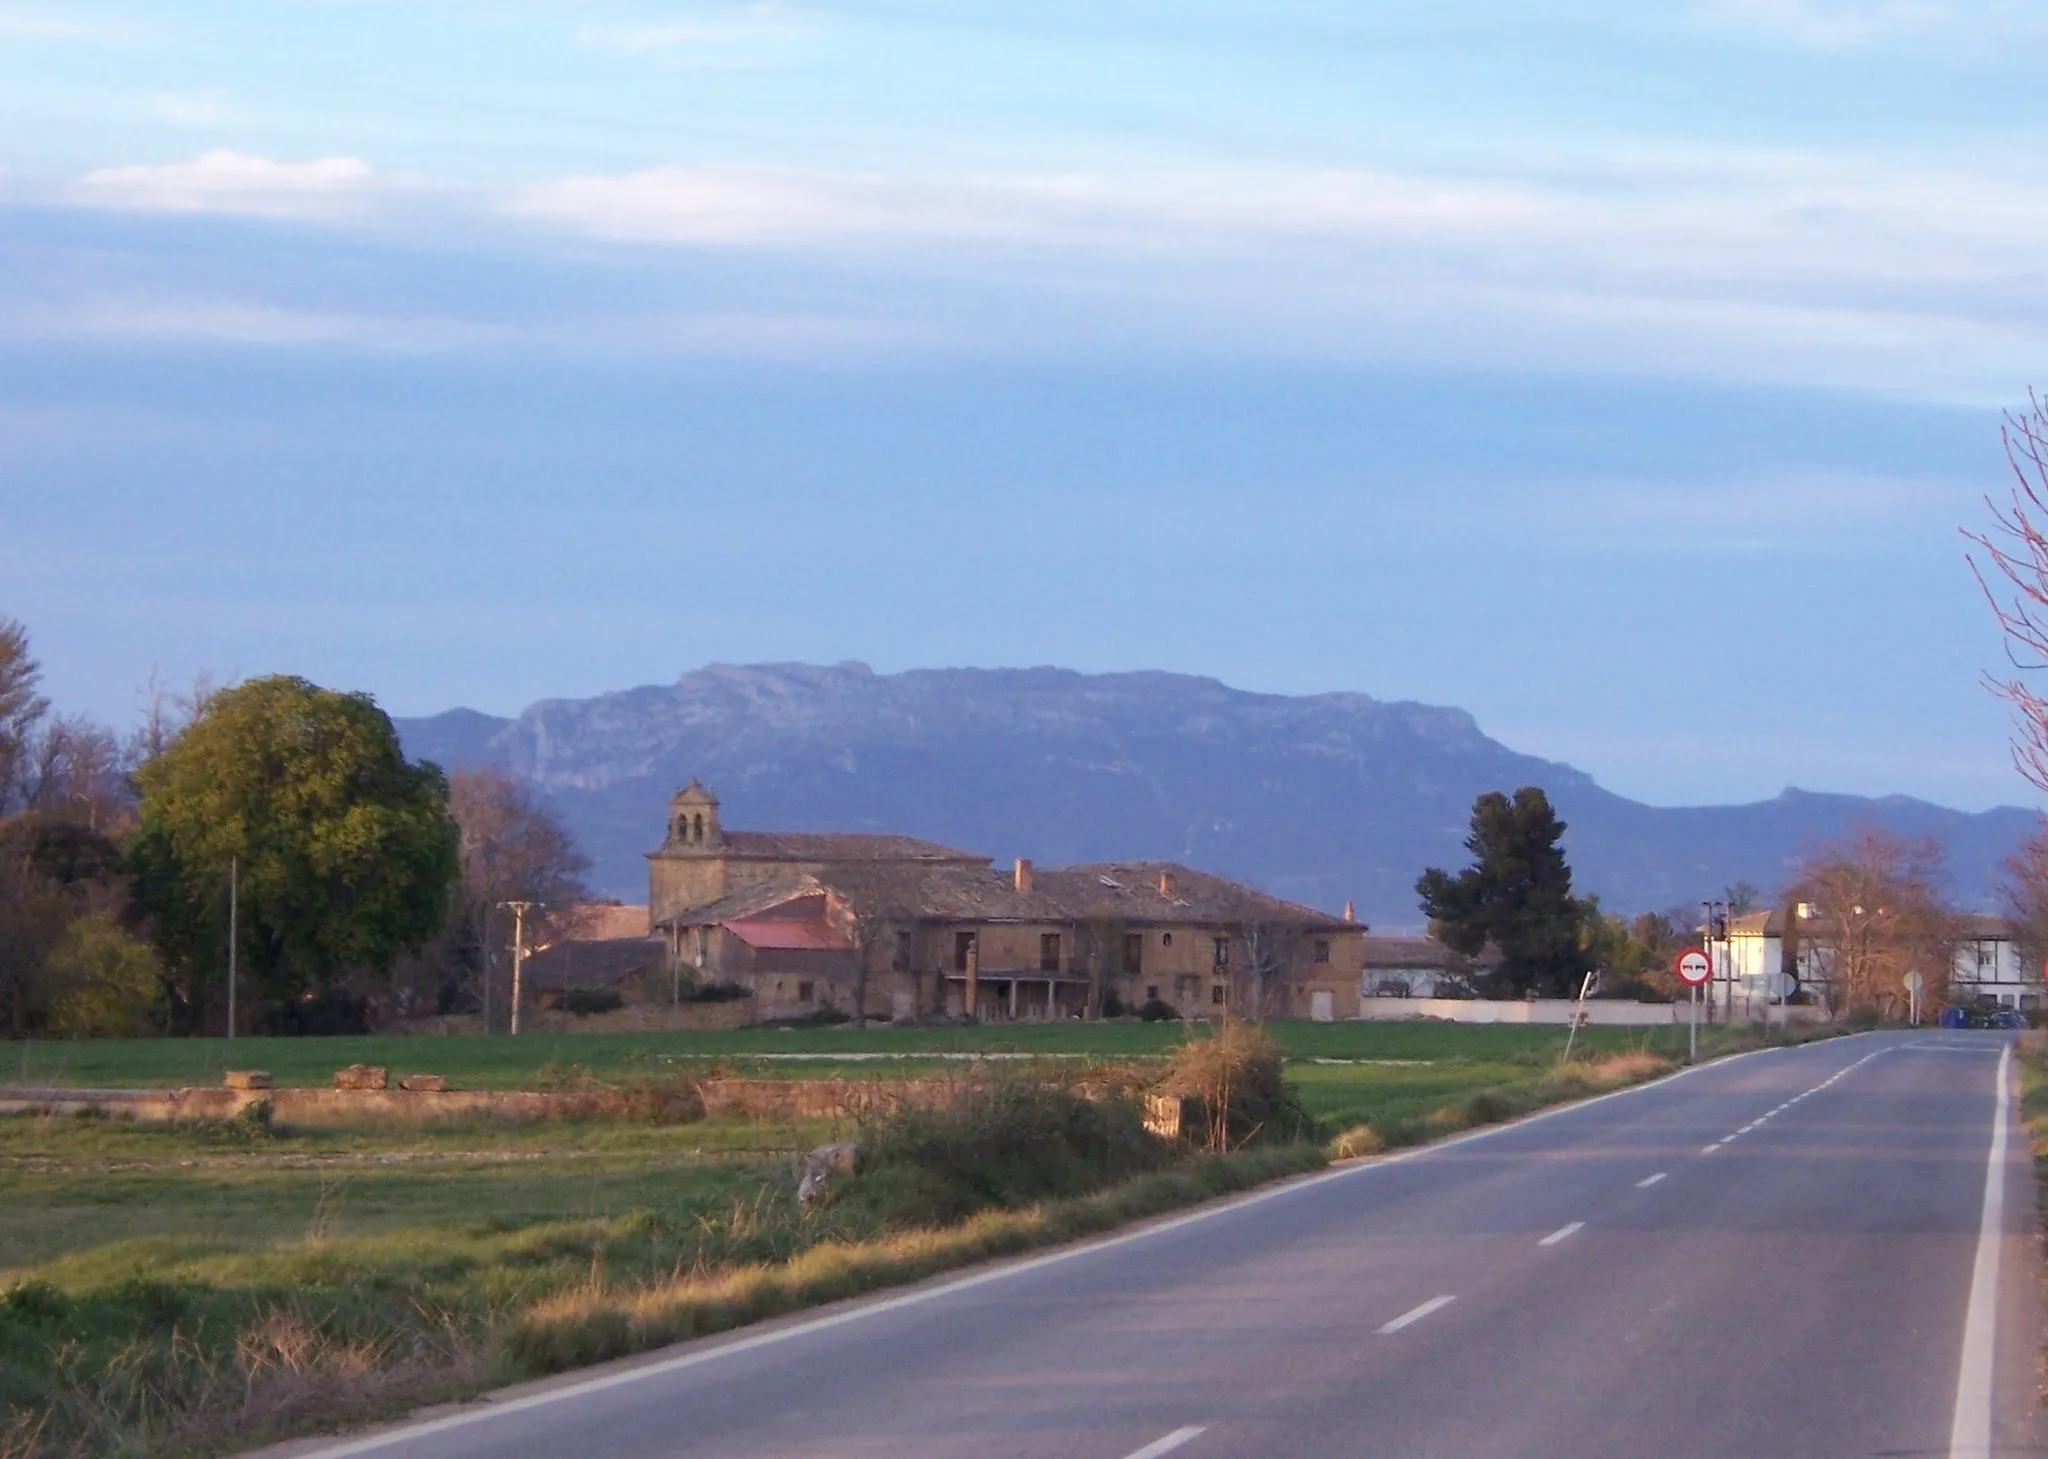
(1322, 798)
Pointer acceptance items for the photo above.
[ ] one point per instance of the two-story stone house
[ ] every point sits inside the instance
(904, 928)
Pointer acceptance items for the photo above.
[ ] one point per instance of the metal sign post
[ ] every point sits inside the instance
(1693, 970)
(1915, 985)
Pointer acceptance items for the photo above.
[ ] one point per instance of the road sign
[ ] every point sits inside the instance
(1693, 968)
(1915, 984)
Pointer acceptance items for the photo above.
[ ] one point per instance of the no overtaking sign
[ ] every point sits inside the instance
(1693, 968)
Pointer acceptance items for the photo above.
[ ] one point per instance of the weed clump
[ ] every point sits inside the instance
(1235, 1079)
(1000, 1143)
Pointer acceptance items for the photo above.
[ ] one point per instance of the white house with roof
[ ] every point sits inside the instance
(1753, 969)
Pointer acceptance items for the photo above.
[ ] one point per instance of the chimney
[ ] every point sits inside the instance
(1024, 882)
(1350, 912)
(1165, 883)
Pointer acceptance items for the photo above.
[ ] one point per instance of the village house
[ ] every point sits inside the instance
(1421, 967)
(1771, 955)
(891, 926)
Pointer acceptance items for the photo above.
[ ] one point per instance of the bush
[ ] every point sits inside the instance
(1864, 1018)
(1236, 1076)
(719, 993)
(1112, 1006)
(1158, 1010)
(581, 1001)
(1006, 1143)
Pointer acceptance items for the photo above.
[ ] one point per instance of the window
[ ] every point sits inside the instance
(1222, 952)
(1166, 939)
(1151, 992)
(1048, 952)
(900, 958)
(963, 950)
(803, 992)
(1322, 949)
(1216, 994)
(1134, 951)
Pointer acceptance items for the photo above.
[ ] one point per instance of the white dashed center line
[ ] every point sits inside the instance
(1167, 1444)
(1648, 1181)
(1561, 1232)
(1409, 1318)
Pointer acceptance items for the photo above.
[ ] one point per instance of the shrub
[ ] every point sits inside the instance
(720, 993)
(581, 1001)
(1236, 1075)
(1005, 1143)
(1864, 1018)
(1112, 1006)
(1158, 1010)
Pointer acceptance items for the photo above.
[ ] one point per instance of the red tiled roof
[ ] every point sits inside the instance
(787, 934)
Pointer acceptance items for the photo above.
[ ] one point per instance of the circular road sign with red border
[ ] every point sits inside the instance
(1693, 968)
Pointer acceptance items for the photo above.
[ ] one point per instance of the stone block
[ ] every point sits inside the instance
(247, 1079)
(362, 1076)
(424, 1083)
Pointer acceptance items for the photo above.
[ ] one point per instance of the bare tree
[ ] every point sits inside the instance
(74, 768)
(1100, 939)
(21, 709)
(1877, 914)
(2011, 565)
(512, 849)
(2023, 892)
(1272, 955)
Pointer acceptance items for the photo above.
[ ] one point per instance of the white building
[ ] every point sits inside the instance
(1751, 971)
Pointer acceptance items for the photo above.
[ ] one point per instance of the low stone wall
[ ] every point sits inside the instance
(1601, 1012)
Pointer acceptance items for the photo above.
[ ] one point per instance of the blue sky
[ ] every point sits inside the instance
(1621, 373)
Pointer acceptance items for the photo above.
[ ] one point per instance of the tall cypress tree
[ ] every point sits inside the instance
(1516, 895)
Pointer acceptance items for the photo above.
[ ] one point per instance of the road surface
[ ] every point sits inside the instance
(1804, 1252)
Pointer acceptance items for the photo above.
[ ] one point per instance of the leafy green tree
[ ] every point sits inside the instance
(1516, 895)
(108, 983)
(346, 853)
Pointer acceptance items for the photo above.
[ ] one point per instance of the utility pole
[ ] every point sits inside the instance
(519, 910)
(234, 930)
(1716, 929)
(484, 940)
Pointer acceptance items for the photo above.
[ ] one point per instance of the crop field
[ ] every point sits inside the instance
(532, 1060)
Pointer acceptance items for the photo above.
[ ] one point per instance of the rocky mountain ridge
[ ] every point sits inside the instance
(1316, 797)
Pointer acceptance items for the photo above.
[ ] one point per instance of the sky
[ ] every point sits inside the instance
(1622, 373)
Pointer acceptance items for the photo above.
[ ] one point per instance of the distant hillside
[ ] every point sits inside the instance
(1318, 798)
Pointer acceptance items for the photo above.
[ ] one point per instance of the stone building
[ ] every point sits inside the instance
(901, 928)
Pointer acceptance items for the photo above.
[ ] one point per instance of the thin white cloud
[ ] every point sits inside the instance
(234, 182)
(25, 24)
(746, 28)
(205, 108)
(1850, 24)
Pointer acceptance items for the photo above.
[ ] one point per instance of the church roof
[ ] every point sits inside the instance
(822, 846)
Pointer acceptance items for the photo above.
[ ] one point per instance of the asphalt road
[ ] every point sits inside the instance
(1778, 1255)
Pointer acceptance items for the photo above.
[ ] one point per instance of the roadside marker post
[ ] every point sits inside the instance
(1693, 970)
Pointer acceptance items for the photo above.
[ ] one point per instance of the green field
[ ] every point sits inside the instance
(148, 1271)
(507, 1063)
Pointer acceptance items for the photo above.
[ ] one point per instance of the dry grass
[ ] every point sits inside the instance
(1579, 1079)
(602, 1321)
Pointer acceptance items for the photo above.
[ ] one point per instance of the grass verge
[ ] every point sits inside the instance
(600, 1322)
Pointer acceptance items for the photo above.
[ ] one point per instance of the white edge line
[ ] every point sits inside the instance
(486, 1408)
(1169, 1443)
(1561, 1232)
(1414, 1315)
(1970, 1434)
